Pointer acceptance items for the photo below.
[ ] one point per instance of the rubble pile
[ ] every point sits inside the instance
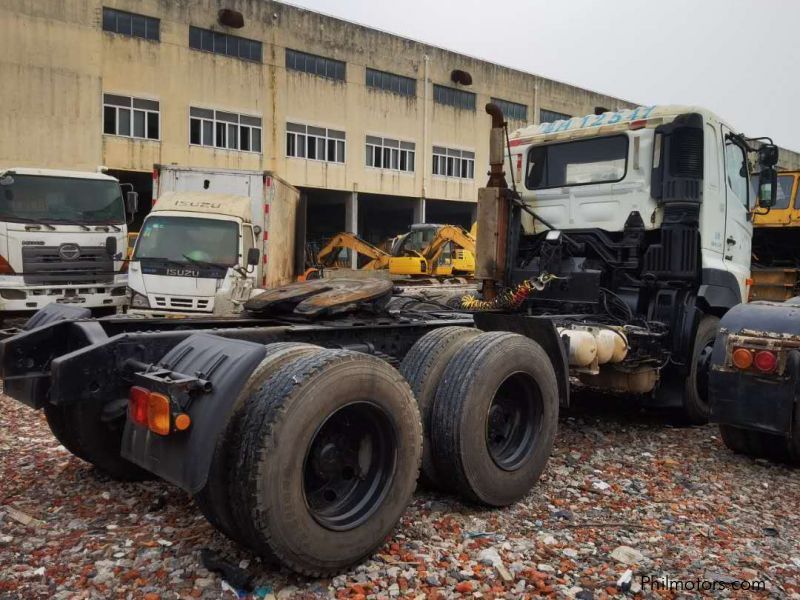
(624, 501)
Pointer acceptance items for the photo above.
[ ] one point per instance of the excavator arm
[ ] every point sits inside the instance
(378, 258)
(445, 235)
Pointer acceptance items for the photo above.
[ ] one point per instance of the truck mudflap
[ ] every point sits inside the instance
(202, 377)
(746, 398)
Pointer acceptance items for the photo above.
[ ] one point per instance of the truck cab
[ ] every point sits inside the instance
(62, 239)
(636, 222)
(195, 254)
(676, 176)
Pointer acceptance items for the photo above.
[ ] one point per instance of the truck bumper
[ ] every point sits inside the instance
(26, 299)
(166, 314)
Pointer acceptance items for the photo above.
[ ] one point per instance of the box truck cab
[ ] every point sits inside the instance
(62, 239)
(206, 252)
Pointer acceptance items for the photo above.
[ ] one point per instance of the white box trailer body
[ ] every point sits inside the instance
(198, 203)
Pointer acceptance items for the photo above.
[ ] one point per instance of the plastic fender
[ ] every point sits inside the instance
(183, 457)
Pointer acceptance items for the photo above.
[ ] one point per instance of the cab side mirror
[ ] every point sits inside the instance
(111, 245)
(132, 202)
(767, 187)
(253, 256)
(768, 155)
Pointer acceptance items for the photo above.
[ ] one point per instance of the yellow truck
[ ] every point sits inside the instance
(775, 270)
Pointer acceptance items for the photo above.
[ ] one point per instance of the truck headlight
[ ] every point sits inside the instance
(139, 300)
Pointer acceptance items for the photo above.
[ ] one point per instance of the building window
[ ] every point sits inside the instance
(119, 21)
(453, 97)
(389, 82)
(450, 162)
(316, 143)
(385, 153)
(223, 43)
(512, 110)
(222, 129)
(316, 65)
(551, 116)
(131, 117)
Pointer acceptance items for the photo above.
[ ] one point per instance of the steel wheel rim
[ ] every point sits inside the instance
(349, 466)
(513, 421)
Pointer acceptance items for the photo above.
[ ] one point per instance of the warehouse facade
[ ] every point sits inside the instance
(379, 131)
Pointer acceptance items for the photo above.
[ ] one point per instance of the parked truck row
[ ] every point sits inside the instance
(301, 425)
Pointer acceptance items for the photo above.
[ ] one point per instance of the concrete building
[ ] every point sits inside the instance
(378, 130)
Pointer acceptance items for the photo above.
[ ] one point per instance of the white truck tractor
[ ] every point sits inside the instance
(62, 238)
(205, 252)
(637, 223)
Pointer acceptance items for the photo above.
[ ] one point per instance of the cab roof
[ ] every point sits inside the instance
(591, 125)
(58, 173)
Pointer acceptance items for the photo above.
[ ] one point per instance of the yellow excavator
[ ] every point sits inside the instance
(775, 270)
(434, 250)
(426, 250)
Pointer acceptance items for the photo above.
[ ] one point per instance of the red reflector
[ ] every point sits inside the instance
(268, 181)
(137, 405)
(5, 267)
(641, 124)
(765, 361)
(266, 209)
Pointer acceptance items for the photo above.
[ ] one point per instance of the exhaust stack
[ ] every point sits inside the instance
(493, 212)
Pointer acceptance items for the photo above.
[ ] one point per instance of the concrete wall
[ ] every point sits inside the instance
(56, 62)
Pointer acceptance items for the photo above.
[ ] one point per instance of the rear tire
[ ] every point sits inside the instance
(214, 499)
(329, 460)
(494, 418)
(80, 428)
(696, 408)
(423, 367)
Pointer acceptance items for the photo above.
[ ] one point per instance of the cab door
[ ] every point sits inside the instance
(738, 226)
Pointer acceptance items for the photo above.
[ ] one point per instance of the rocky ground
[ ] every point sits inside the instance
(625, 498)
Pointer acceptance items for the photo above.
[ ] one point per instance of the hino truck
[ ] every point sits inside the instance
(212, 238)
(62, 239)
(300, 426)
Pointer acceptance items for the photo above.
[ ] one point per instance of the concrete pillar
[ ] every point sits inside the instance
(419, 210)
(351, 222)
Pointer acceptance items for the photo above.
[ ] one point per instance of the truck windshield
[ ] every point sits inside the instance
(177, 239)
(581, 162)
(52, 199)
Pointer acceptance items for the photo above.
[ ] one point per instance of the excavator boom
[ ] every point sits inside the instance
(328, 255)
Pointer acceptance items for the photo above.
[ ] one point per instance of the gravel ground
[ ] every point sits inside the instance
(623, 492)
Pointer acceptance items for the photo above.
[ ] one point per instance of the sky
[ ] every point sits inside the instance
(738, 58)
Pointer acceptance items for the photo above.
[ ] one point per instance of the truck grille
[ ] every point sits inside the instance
(177, 303)
(43, 265)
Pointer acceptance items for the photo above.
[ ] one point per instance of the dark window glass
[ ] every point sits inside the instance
(390, 82)
(315, 65)
(124, 23)
(109, 120)
(119, 21)
(109, 20)
(152, 126)
(138, 123)
(208, 133)
(195, 38)
(221, 128)
(580, 162)
(512, 110)
(194, 131)
(139, 26)
(223, 43)
(124, 124)
(551, 116)
(453, 97)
